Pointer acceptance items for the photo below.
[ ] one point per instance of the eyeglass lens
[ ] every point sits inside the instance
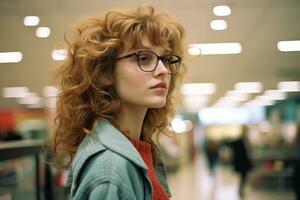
(148, 61)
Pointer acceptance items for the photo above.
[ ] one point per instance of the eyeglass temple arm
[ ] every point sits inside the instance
(126, 56)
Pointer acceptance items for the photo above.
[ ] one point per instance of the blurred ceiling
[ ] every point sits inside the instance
(258, 25)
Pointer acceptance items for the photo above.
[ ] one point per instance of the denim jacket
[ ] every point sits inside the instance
(108, 166)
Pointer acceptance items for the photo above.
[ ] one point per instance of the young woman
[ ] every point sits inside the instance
(116, 92)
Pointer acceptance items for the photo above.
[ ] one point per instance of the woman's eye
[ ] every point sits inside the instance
(170, 60)
(144, 59)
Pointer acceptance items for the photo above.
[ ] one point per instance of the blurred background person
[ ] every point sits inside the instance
(211, 152)
(240, 159)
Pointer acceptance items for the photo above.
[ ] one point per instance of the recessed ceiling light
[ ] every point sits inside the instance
(42, 32)
(31, 20)
(275, 94)
(224, 102)
(218, 48)
(198, 88)
(194, 51)
(10, 57)
(31, 99)
(249, 87)
(289, 45)
(259, 103)
(50, 91)
(195, 101)
(289, 86)
(237, 95)
(222, 10)
(218, 25)
(15, 92)
(59, 54)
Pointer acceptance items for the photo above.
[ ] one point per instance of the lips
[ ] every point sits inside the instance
(160, 85)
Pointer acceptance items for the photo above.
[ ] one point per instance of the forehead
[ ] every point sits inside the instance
(146, 45)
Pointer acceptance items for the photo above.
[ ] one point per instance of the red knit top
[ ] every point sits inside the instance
(144, 149)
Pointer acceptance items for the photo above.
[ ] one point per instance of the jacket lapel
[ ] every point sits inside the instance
(104, 136)
(114, 140)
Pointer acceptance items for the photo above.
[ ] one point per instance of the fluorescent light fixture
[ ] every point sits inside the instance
(223, 116)
(249, 87)
(222, 10)
(192, 99)
(275, 94)
(293, 45)
(262, 98)
(31, 99)
(224, 103)
(42, 32)
(198, 88)
(59, 54)
(236, 98)
(51, 102)
(10, 57)
(218, 25)
(259, 102)
(15, 92)
(266, 102)
(289, 86)
(194, 51)
(218, 48)
(237, 95)
(195, 101)
(50, 91)
(31, 20)
(253, 104)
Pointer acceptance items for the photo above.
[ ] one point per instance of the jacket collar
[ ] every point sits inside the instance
(104, 136)
(111, 138)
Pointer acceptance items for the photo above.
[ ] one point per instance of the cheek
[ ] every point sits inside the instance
(127, 81)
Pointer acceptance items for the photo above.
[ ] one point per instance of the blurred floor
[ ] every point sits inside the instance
(194, 182)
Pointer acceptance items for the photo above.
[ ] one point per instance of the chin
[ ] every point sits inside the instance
(158, 104)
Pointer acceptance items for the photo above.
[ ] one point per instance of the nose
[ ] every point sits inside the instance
(161, 69)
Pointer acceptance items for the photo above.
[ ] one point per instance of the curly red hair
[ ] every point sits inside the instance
(86, 92)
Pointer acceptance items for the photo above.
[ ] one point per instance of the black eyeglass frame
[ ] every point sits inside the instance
(158, 58)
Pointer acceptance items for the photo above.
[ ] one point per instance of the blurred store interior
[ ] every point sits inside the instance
(243, 81)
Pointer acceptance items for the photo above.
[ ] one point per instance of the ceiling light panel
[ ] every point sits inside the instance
(31, 99)
(222, 10)
(293, 45)
(50, 91)
(289, 86)
(194, 51)
(43, 32)
(59, 54)
(31, 20)
(198, 88)
(249, 87)
(15, 92)
(237, 95)
(10, 57)
(275, 94)
(218, 48)
(218, 25)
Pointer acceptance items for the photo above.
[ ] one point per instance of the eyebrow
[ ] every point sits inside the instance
(150, 49)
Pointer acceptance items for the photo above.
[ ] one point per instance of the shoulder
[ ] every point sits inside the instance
(109, 162)
(109, 166)
(109, 171)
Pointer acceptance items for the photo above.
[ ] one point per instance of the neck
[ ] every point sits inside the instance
(131, 118)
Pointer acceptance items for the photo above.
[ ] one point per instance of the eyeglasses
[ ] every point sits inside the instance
(148, 60)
